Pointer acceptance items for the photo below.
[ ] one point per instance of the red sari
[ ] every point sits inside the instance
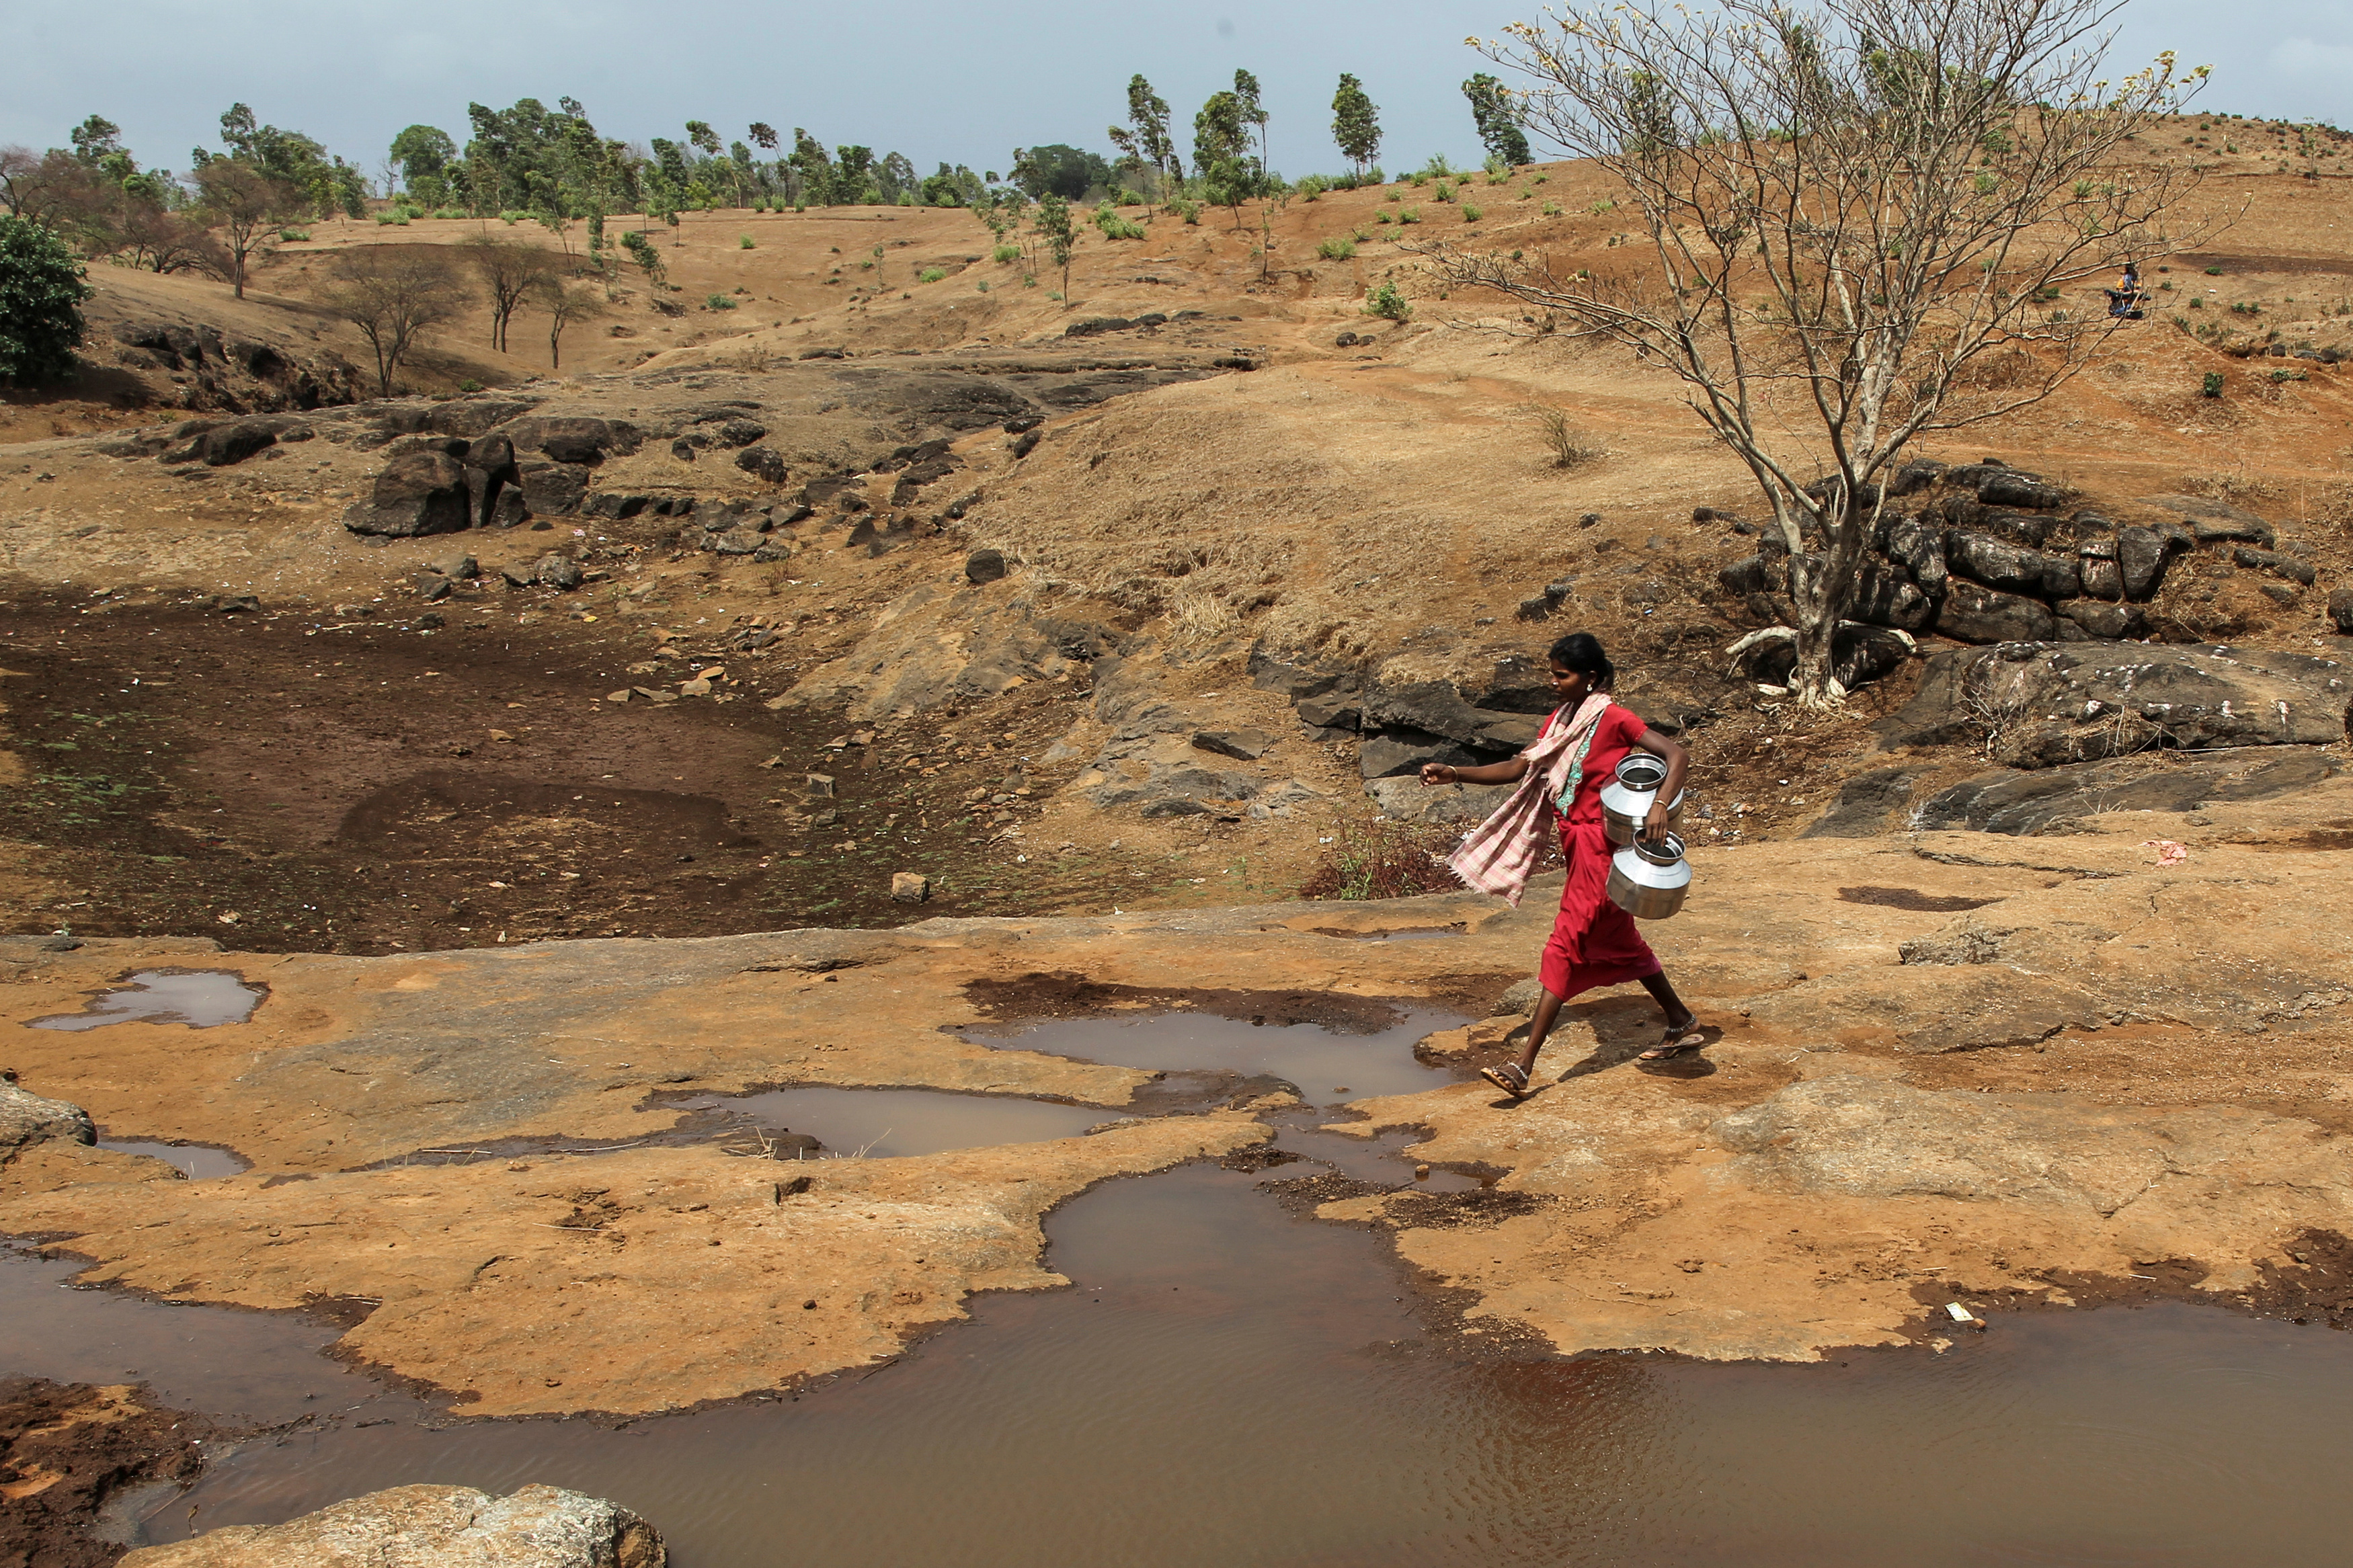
(1594, 942)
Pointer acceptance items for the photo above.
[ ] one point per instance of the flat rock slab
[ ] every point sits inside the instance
(431, 1527)
(2007, 801)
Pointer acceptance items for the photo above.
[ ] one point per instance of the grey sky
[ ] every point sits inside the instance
(961, 82)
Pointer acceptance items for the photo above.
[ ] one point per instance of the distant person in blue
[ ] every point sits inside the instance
(2124, 299)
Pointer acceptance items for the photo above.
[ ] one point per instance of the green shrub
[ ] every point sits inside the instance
(1383, 217)
(41, 291)
(512, 217)
(2213, 385)
(1444, 193)
(1127, 198)
(1551, 210)
(1387, 303)
(1472, 214)
(1114, 227)
(744, 240)
(1410, 215)
(1372, 856)
(2213, 272)
(931, 274)
(1438, 168)
(293, 233)
(1312, 187)
(1339, 247)
(396, 218)
(719, 302)
(2196, 303)
(449, 212)
(1190, 211)
(982, 285)
(469, 385)
(1007, 253)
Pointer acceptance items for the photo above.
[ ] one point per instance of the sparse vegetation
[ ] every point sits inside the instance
(1387, 303)
(2212, 388)
(1374, 857)
(744, 241)
(931, 275)
(718, 302)
(394, 297)
(1569, 446)
(1472, 214)
(1006, 254)
(1336, 248)
(1355, 125)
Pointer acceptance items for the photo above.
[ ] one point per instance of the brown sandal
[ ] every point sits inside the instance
(1511, 1078)
(1680, 1038)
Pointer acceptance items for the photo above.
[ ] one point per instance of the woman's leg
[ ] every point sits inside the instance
(1547, 1009)
(1680, 1020)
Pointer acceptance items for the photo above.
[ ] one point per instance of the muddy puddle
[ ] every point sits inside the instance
(882, 1124)
(197, 1162)
(1225, 1385)
(200, 999)
(1328, 1067)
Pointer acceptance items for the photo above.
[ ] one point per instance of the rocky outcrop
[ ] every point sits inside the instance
(2041, 704)
(431, 1527)
(213, 371)
(419, 493)
(1987, 554)
(2047, 798)
(26, 1119)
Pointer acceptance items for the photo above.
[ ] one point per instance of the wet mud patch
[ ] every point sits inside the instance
(1460, 1211)
(70, 1451)
(197, 1162)
(888, 1124)
(1911, 898)
(1063, 994)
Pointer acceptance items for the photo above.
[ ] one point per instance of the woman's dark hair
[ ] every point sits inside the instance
(1581, 651)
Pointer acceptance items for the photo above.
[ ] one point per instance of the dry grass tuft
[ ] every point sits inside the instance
(1571, 447)
(2233, 488)
(1372, 856)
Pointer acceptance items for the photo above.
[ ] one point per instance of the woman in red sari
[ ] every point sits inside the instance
(1594, 942)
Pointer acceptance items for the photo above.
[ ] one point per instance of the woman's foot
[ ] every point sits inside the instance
(1511, 1078)
(1680, 1038)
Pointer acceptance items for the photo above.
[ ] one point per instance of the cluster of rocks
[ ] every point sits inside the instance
(238, 375)
(536, 1526)
(1991, 553)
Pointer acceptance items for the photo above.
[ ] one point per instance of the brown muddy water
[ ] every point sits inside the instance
(1326, 1067)
(1228, 1383)
(1225, 1385)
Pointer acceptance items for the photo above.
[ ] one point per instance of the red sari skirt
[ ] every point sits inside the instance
(1594, 942)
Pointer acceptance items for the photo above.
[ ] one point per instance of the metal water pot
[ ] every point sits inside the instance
(1625, 810)
(1648, 881)
(1641, 771)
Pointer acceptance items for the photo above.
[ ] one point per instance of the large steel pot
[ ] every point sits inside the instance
(1642, 771)
(1648, 881)
(1625, 810)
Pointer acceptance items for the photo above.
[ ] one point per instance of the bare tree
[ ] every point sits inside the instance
(510, 270)
(1856, 216)
(565, 304)
(393, 295)
(245, 205)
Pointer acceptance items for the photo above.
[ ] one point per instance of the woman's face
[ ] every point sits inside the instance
(1569, 685)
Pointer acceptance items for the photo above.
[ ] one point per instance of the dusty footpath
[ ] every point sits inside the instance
(1944, 1067)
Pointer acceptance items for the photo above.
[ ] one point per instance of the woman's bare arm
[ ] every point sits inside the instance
(1678, 760)
(1508, 772)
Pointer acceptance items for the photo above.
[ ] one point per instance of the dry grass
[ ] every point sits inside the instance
(1381, 857)
(2233, 487)
(1570, 446)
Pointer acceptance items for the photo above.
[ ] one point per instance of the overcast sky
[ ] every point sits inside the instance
(965, 83)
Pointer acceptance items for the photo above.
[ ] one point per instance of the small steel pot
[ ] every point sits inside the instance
(1648, 881)
(1624, 810)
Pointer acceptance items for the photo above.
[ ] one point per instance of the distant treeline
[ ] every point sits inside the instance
(554, 167)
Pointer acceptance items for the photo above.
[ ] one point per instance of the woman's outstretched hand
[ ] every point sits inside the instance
(1438, 773)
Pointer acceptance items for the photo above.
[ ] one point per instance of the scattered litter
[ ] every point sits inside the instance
(2168, 853)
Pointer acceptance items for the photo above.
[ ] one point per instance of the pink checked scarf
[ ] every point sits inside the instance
(1499, 854)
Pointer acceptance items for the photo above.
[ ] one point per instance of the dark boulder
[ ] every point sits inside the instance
(741, 432)
(2216, 523)
(1882, 597)
(984, 566)
(1095, 325)
(2142, 556)
(417, 494)
(558, 572)
(2340, 610)
(1749, 574)
(2278, 565)
(1974, 613)
(2012, 568)
(1864, 805)
(1394, 752)
(2012, 487)
(1913, 477)
(226, 444)
(574, 439)
(2104, 620)
(765, 464)
(510, 511)
(1918, 546)
(553, 490)
(1298, 676)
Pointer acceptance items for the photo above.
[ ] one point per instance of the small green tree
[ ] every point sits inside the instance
(42, 287)
(1355, 123)
(1245, 93)
(641, 252)
(1053, 226)
(1498, 119)
(1221, 154)
(1145, 136)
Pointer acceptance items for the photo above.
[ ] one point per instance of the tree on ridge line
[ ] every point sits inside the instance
(1853, 214)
